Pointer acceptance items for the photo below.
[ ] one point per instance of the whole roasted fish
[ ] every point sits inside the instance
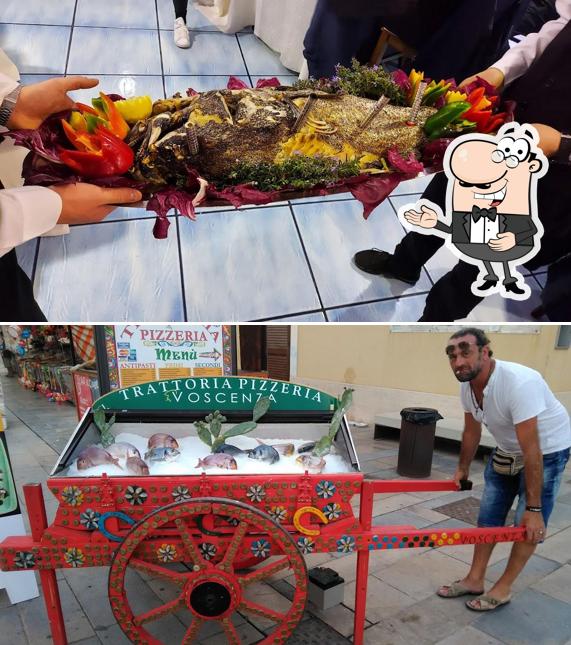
(95, 456)
(285, 449)
(218, 460)
(136, 466)
(311, 463)
(162, 454)
(229, 449)
(265, 453)
(214, 129)
(123, 450)
(161, 440)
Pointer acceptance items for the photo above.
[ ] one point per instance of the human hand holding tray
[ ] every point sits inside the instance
(362, 132)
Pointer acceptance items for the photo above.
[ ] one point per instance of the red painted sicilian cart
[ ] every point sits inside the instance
(214, 535)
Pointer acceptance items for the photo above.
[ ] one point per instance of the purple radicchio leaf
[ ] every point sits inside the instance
(268, 82)
(236, 84)
(45, 140)
(490, 90)
(408, 166)
(402, 80)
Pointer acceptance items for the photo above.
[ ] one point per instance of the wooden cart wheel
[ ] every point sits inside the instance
(210, 591)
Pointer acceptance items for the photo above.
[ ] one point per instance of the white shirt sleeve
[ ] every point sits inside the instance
(26, 213)
(517, 60)
(7, 84)
(527, 400)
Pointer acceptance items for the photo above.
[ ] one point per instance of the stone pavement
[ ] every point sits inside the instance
(402, 607)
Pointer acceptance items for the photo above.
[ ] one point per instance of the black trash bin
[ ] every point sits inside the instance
(416, 444)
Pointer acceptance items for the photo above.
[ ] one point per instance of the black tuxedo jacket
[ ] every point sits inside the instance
(521, 225)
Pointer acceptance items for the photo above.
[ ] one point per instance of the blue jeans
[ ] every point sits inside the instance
(500, 491)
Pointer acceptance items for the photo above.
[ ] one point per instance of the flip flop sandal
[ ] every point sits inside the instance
(486, 603)
(457, 589)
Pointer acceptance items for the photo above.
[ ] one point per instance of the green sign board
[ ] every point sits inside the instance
(215, 393)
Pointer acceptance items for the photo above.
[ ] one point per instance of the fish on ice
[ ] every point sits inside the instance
(218, 460)
(95, 456)
(136, 466)
(311, 463)
(123, 450)
(162, 454)
(264, 453)
(161, 440)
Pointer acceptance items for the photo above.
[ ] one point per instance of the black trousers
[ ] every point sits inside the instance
(180, 7)
(451, 297)
(17, 302)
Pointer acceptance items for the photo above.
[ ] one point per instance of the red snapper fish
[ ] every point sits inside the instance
(123, 450)
(218, 460)
(137, 466)
(311, 463)
(95, 456)
(161, 440)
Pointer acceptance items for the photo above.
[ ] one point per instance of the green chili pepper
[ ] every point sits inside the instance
(454, 129)
(434, 94)
(435, 124)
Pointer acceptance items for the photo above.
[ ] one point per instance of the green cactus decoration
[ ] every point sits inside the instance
(104, 427)
(209, 430)
(323, 446)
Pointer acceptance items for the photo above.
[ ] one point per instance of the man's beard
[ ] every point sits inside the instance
(468, 375)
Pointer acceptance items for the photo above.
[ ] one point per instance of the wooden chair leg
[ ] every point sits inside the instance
(380, 47)
(388, 39)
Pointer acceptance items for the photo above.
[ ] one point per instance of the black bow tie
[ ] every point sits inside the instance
(490, 213)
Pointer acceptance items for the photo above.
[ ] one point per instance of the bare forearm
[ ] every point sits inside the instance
(533, 469)
(470, 443)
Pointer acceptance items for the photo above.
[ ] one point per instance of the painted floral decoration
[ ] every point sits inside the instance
(325, 489)
(135, 495)
(256, 493)
(278, 513)
(332, 511)
(181, 494)
(306, 545)
(24, 560)
(208, 550)
(72, 495)
(260, 548)
(89, 519)
(74, 557)
(346, 544)
(166, 553)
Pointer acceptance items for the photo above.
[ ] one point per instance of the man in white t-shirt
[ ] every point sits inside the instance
(533, 433)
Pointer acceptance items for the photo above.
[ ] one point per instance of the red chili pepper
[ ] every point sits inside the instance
(495, 122)
(100, 154)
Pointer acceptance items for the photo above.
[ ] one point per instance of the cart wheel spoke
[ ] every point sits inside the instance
(158, 571)
(259, 610)
(159, 612)
(264, 572)
(192, 631)
(189, 544)
(234, 545)
(231, 632)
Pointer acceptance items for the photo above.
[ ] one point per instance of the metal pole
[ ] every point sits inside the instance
(101, 359)
(38, 524)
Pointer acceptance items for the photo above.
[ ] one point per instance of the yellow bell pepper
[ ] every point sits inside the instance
(135, 109)
(455, 95)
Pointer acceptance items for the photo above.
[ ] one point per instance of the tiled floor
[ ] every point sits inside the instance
(402, 607)
(286, 262)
